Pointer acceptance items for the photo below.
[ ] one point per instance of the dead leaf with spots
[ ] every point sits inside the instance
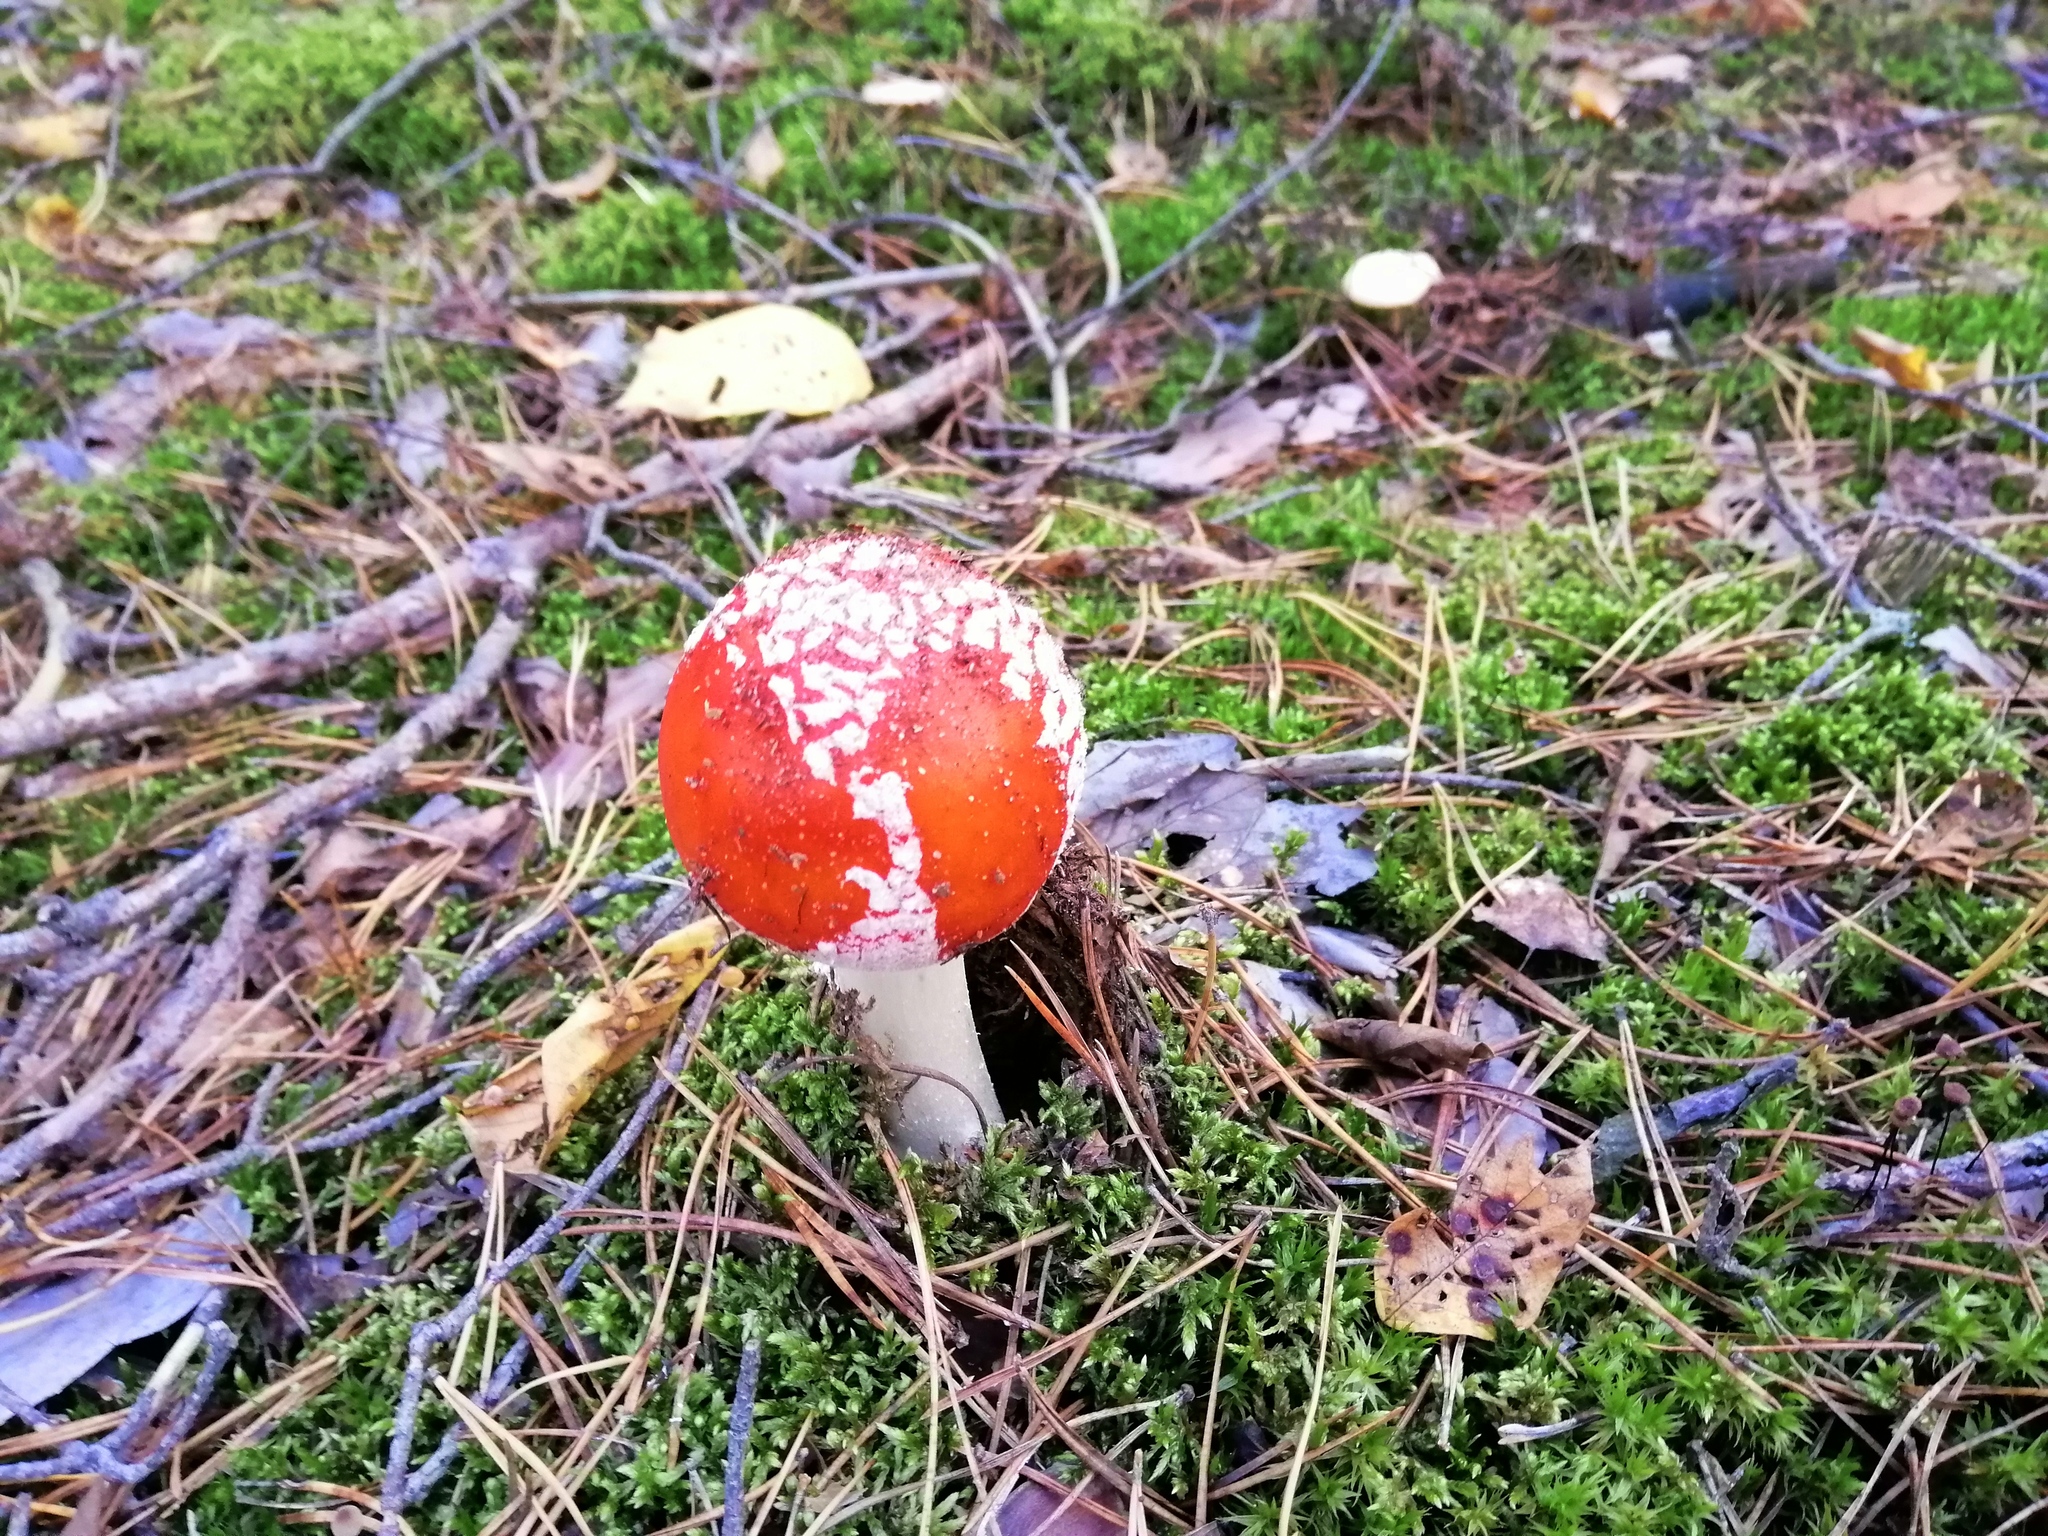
(1401, 1047)
(1983, 818)
(1631, 813)
(1538, 911)
(1498, 1252)
(79, 133)
(1927, 191)
(522, 1117)
(1596, 94)
(556, 471)
(586, 183)
(1137, 169)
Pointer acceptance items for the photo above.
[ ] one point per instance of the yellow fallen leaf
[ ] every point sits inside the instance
(585, 184)
(522, 1117)
(77, 133)
(52, 224)
(761, 157)
(1907, 364)
(771, 357)
(1597, 95)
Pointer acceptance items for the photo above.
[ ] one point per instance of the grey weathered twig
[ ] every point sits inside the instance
(739, 1429)
(240, 851)
(462, 992)
(730, 298)
(2000, 1167)
(1617, 1139)
(338, 136)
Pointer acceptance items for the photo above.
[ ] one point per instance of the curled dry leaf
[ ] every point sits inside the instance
(78, 133)
(1596, 94)
(1924, 193)
(1984, 817)
(53, 225)
(1541, 913)
(1907, 364)
(587, 183)
(521, 1118)
(1137, 168)
(1413, 1048)
(770, 357)
(1391, 279)
(887, 89)
(1496, 1254)
(761, 157)
(1631, 813)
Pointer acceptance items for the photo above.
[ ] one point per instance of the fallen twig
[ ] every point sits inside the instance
(729, 298)
(339, 135)
(58, 626)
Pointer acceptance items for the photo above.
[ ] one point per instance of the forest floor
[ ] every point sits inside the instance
(1587, 765)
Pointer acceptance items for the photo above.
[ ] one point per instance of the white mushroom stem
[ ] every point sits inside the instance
(921, 1021)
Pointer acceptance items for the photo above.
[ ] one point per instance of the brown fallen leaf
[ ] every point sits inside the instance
(1983, 818)
(556, 471)
(1413, 1048)
(1498, 1252)
(53, 225)
(1631, 814)
(203, 226)
(522, 1117)
(1541, 913)
(1598, 95)
(77, 133)
(1927, 191)
(1774, 18)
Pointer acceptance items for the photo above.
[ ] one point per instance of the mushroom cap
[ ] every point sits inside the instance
(870, 753)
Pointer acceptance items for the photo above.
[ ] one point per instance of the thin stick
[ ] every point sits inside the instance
(1315, 1389)
(737, 1432)
(728, 298)
(338, 137)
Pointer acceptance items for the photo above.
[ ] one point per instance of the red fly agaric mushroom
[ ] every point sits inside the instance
(870, 755)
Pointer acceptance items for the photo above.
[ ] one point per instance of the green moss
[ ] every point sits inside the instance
(630, 239)
(270, 95)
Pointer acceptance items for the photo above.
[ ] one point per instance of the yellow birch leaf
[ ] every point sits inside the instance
(522, 1117)
(1907, 364)
(78, 133)
(770, 357)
